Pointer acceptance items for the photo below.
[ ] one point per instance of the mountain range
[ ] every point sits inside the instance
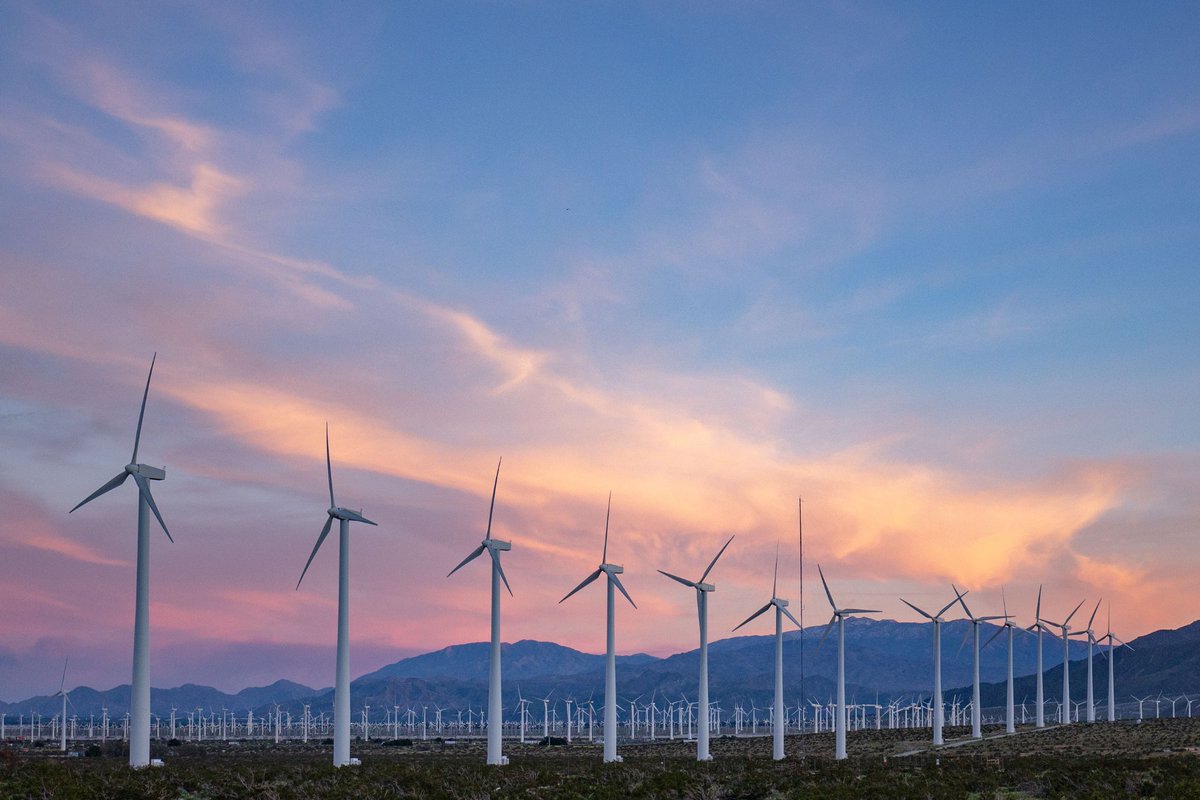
(884, 659)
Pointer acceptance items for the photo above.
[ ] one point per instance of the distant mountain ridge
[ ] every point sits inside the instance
(884, 658)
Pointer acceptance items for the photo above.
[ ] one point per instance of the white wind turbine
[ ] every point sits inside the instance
(939, 713)
(976, 711)
(139, 704)
(495, 706)
(778, 721)
(1091, 642)
(1111, 637)
(1065, 627)
(702, 591)
(610, 658)
(1010, 722)
(62, 690)
(839, 616)
(1040, 627)
(341, 687)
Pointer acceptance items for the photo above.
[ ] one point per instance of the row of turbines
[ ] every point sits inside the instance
(140, 716)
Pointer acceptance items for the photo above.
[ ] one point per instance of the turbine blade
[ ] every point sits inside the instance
(1068, 619)
(713, 563)
(1004, 600)
(755, 614)
(845, 611)
(500, 569)
(474, 554)
(63, 682)
(825, 633)
(924, 614)
(354, 516)
(329, 467)
(607, 514)
(775, 579)
(488, 534)
(108, 487)
(137, 437)
(961, 601)
(953, 602)
(788, 614)
(620, 587)
(966, 636)
(144, 488)
(1038, 613)
(313, 554)
(832, 604)
(1094, 610)
(684, 581)
(582, 584)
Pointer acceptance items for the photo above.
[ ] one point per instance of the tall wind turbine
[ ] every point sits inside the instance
(839, 616)
(1010, 720)
(62, 690)
(976, 711)
(779, 721)
(139, 704)
(1040, 627)
(1112, 637)
(1091, 641)
(341, 686)
(702, 590)
(1065, 627)
(610, 653)
(939, 713)
(495, 704)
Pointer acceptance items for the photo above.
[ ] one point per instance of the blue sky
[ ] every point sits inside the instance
(932, 266)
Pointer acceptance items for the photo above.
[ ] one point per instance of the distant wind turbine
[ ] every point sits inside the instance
(1112, 637)
(778, 721)
(139, 703)
(839, 616)
(1010, 723)
(1065, 627)
(611, 571)
(1091, 642)
(341, 687)
(62, 690)
(939, 713)
(1039, 626)
(702, 591)
(976, 711)
(493, 547)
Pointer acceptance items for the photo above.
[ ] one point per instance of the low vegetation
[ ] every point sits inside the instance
(1155, 759)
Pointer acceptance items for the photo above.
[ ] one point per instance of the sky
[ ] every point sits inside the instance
(930, 266)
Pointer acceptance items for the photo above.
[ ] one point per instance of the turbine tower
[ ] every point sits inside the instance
(495, 705)
(839, 616)
(341, 687)
(1091, 642)
(1065, 627)
(702, 590)
(939, 713)
(610, 653)
(62, 690)
(139, 704)
(976, 711)
(779, 721)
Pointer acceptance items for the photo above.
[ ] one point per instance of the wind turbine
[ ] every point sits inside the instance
(1065, 627)
(779, 721)
(1112, 637)
(139, 704)
(976, 711)
(1040, 627)
(939, 713)
(1091, 641)
(62, 690)
(495, 704)
(341, 687)
(611, 571)
(1010, 721)
(702, 590)
(839, 616)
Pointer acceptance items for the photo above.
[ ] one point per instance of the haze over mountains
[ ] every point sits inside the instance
(886, 657)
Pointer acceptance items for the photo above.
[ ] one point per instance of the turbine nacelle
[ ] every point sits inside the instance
(148, 472)
(497, 544)
(612, 569)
